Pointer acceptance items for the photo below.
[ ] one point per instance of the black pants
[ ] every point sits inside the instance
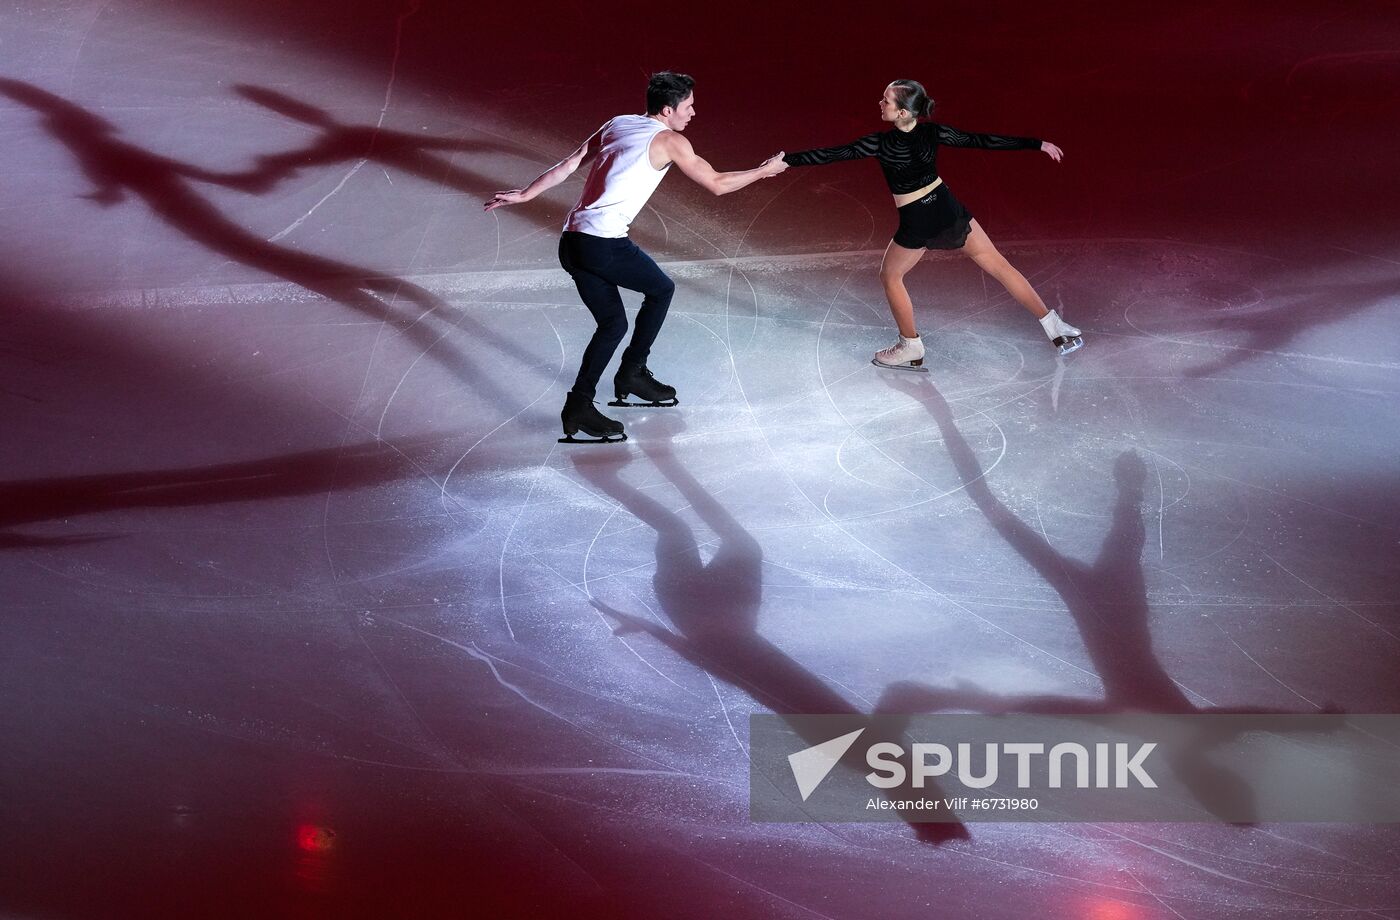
(599, 266)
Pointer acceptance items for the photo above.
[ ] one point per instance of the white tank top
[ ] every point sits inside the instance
(621, 180)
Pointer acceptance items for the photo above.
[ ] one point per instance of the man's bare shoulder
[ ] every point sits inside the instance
(667, 146)
(666, 138)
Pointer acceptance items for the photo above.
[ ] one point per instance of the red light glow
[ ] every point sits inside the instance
(313, 839)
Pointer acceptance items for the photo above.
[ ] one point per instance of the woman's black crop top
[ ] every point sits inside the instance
(909, 158)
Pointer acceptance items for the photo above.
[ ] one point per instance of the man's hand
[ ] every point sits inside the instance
(549, 178)
(679, 151)
(1053, 152)
(500, 199)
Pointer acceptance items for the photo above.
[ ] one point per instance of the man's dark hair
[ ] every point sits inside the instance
(667, 88)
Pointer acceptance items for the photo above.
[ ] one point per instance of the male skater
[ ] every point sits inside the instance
(630, 154)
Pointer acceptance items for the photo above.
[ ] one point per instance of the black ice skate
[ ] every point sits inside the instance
(579, 415)
(636, 380)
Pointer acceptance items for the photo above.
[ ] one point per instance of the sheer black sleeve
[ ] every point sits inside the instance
(867, 146)
(952, 137)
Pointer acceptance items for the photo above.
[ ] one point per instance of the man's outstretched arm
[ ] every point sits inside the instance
(549, 178)
(679, 151)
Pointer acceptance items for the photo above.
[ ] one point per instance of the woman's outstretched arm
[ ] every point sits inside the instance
(859, 149)
(952, 137)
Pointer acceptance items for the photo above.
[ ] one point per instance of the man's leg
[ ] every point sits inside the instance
(636, 271)
(633, 269)
(580, 255)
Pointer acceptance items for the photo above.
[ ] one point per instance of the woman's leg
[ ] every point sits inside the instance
(979, 248)
(893, 268)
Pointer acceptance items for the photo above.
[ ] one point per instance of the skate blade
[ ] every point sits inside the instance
(663, 404)
(1067, 346)
(900, 367)
(599, 439)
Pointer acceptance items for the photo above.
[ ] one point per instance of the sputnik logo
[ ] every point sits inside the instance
(811, 765)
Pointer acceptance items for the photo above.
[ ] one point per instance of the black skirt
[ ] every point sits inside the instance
(935, 221)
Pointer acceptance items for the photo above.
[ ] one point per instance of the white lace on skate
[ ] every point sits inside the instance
(906, 353)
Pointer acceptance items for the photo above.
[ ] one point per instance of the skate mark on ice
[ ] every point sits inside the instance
(1243, 381)
(1365, 255)
(852, 430)
(444, 496)
(490, 662)
(1109, 854)
(1291, 498)
(1245, 881)
(719, 698)
(1378, 873)
(733, 371)
(598, 605)
(383, 113)
(940, 493)
(869, 703)
(482, 439)
(1270, 674)
(747, 883)
(1318, 591)
(572, 688)
(443, 750)
(1233, 855)
(88, 29)
(417, 251)
(665, 227)
(505, 543)
(907, 575)
(1277, 353)
(1055, 382)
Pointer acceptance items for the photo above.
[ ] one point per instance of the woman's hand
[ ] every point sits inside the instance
(1053, 152)
(774, 165)
(514, 196)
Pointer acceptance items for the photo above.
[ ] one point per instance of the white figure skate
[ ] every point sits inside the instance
(1061, 334)
(905, 355)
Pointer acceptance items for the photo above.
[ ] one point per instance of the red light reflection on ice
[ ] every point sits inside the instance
(314, 865)
(313, 839)
(1111, 910)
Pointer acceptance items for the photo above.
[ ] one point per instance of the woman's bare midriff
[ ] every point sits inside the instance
(901, 200)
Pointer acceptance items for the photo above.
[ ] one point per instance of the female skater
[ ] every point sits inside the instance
(930, 217)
